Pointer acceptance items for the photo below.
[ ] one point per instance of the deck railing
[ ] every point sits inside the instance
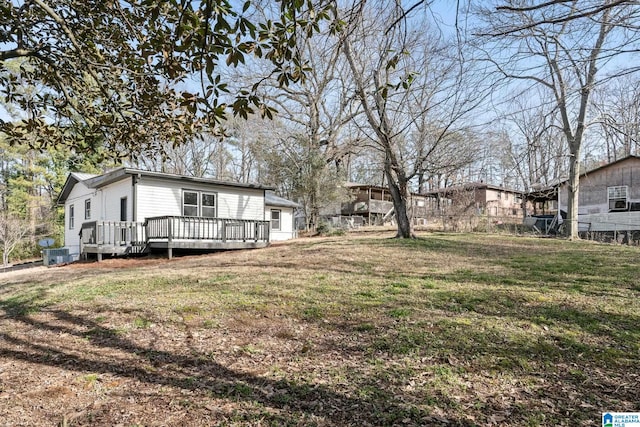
(198, 228)
(113, 233)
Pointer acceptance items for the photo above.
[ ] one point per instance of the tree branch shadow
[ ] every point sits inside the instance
(196, 372)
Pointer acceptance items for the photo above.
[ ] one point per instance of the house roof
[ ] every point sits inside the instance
(83, 176)
(98, 181)
(72, 179)
(270, 199)
(471, 186)
(121, 173)
(357, 185)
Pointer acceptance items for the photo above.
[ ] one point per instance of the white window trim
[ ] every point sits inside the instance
(279, 228)
(199, 206)
(184, 192)
(87, 211)
(215, 203)
(72, 214)
(618, 193)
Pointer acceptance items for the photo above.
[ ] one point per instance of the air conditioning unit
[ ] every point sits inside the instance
(618, 205)
(618, 198)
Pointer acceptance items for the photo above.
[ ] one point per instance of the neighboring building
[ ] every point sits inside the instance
(476, 198)
(542, 200)
(130, 211)
(372, 205)
(609, 197)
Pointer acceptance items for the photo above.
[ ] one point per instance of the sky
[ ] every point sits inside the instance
(3, 114)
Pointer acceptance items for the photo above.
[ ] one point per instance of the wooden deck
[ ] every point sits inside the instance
(112, 237)
(171, 232)
(180, 232)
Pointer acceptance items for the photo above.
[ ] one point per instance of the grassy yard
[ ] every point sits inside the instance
(448, 329)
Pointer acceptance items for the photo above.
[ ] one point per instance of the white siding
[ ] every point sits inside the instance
(111, 195)
(158, 197)
(77, 197)
(287, 230)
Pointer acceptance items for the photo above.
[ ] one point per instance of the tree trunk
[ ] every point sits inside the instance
(314, 215)
(401, 198)
(571, 228)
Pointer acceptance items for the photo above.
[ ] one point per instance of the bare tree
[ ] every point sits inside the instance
(413, 90)
(317, 110)
(618, 108)
(534, 146)
(563, 55)
(205, 155)
(450, 163)
(12, 231)
(543, 13)
(245, 142)
(309, 142)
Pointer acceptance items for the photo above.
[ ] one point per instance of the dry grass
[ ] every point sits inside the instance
(358, 330)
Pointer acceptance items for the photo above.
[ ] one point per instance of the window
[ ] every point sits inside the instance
(195, 203)
(208, 202)
(275, 219)
(189, 203)
(619, 192)
(71, 216)
(87, 209)
(617, 197)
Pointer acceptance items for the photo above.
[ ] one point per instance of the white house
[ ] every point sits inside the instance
(129, 210)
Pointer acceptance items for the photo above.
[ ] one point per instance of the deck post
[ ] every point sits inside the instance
(99, 256)
(224, 230)
(80, 248)
(169, 237)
